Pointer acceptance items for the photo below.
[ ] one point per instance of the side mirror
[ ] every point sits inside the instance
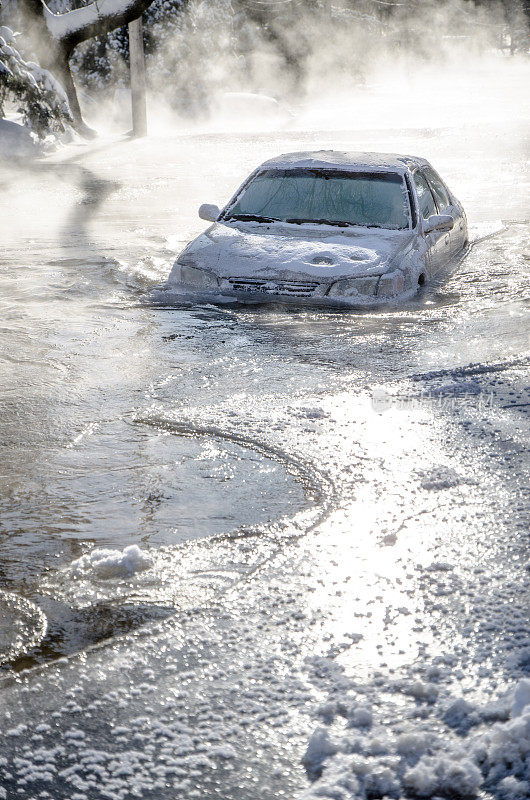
(438, 222)
(209, 212)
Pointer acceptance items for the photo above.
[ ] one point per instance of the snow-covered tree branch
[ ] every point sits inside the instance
(92, 20)
(40, 99)
(54, 36)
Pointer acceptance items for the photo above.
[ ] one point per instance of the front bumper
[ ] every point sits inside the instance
(349, 292)
(362, 290)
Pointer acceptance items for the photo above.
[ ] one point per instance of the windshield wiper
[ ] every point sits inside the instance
(319, 222)
(342, 224)
(251, 218)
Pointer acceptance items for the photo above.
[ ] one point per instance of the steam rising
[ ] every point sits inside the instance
(390, 76)
(378, 64)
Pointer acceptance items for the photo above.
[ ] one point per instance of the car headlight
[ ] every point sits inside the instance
(391, 284)
(195, 276)
(351, 287)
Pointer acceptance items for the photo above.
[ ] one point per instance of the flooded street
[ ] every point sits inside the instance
(315, 522)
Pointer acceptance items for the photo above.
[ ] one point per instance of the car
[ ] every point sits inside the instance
(327, 228)
(248, 111)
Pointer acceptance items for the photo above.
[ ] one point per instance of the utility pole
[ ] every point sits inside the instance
(511, 17)
(137, 61)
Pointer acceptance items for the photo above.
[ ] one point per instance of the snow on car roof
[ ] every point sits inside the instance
(337, 159)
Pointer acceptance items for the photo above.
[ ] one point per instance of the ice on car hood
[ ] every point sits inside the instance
(282, 249)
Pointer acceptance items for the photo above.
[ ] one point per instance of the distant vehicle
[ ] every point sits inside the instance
(329, 228)
(249, 103)
(247, 111)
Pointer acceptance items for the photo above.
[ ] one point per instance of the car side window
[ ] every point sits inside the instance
(438, 189)
(426, 203)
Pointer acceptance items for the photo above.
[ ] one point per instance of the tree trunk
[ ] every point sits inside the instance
(60, 67)
(137, 66)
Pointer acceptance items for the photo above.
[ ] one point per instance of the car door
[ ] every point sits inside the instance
(447, 205)
(438, 242)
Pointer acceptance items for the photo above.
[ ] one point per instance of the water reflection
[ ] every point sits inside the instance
(87, 346)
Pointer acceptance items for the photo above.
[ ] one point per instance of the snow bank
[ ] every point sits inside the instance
(103, 563)
(16, 141)
(374, 762)
(319, 748)
(431, 776)
(521, 698)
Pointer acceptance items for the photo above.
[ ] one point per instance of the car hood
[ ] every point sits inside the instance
(287, 250)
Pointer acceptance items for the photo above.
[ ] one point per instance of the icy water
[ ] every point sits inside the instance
(317, 498)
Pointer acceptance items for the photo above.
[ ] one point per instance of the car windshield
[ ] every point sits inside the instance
(332, 197)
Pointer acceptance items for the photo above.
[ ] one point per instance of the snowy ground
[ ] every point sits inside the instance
(300, 538)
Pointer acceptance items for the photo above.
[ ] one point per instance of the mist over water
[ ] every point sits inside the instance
(89, 236)
(210, 438)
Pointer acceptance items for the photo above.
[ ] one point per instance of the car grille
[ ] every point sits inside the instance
(279, 287)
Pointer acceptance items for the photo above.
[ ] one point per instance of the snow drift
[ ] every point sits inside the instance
(370, 760)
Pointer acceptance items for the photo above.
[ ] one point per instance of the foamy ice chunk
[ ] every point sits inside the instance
(105, 563)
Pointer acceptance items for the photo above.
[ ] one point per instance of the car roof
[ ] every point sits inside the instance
(338, 159)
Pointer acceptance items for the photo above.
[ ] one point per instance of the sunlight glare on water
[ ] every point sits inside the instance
(89, 349)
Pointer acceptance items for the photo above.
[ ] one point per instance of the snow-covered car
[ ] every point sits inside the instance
(327, 227)
(247, 109)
